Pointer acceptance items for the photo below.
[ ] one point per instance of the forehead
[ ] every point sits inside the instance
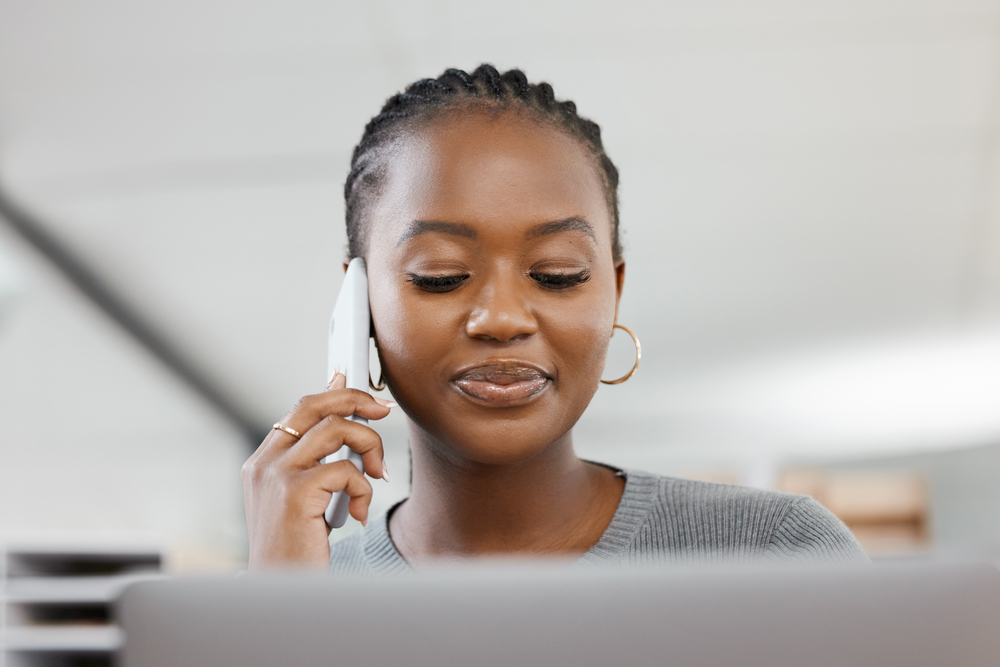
(496, 170)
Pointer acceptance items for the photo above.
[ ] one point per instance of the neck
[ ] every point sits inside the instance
(553, 503)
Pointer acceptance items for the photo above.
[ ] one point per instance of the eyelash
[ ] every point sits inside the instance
(550, 281)
(437, 283)
(561, 281)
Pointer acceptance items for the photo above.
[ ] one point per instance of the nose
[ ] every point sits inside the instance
(501, 313)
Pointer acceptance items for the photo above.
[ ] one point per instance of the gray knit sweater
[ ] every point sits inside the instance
(664, 520)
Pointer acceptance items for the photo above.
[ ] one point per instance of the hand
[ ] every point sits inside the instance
(286, 489)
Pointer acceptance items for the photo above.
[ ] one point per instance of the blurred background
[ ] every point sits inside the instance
(810, 198)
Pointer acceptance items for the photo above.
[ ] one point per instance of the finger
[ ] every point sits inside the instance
(311, 410)
(336, 372)
(333, 433)
(263, 452)
(342, 402)
(359, 508)
(343, 476)
(338, 381)
(278, 440)
(347, 402)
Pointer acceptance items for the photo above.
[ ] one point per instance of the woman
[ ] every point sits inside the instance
(487, 214)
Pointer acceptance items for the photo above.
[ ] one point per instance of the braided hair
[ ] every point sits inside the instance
(456, 90)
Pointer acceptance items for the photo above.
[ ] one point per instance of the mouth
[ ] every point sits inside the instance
(503, 383)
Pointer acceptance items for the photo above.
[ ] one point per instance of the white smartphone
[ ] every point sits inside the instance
(350, 329)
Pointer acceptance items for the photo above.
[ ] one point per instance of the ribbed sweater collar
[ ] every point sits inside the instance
(633, 510)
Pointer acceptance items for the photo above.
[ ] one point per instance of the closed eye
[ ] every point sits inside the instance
(560, 281)
(437, 283)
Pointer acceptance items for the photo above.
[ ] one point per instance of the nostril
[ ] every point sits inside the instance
(503, 326)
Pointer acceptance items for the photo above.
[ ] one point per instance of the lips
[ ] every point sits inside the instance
(503, 383)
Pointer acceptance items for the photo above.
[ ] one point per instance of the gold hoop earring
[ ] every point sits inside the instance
(381, 372)
(638, 356)
(381, 381)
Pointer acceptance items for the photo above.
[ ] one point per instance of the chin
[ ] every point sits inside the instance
(509, 442)
(501, 453)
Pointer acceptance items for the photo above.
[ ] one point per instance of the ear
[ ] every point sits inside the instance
(619, 284)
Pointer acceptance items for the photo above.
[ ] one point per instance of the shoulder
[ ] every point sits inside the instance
(809, 531)
(713, 498)
(741, 523)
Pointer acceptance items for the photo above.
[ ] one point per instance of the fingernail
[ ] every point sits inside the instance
(336, 369)
(384, 402)
(364, 523)
(385, 472)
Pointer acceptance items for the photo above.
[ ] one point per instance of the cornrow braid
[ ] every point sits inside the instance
(453, 90)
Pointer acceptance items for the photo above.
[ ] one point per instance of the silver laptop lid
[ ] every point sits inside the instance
(904, 614)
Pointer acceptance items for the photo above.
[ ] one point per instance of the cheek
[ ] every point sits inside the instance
(410, 335)
(584, 348)
(581, 333)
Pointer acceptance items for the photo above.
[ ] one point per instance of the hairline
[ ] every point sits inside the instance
(463, 104)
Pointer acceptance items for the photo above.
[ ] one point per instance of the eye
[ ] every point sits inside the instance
(560, 281)
(437, 283)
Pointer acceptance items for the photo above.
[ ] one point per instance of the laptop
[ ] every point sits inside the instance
(905, 613)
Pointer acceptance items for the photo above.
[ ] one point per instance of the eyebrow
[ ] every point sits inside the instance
(572, 224)
(418, 227)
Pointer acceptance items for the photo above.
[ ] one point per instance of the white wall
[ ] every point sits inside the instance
(97, 438)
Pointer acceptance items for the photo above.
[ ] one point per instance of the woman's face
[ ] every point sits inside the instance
(493, 287)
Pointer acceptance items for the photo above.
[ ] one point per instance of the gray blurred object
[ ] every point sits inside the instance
(11, 281)
(891, 614)
(58, 601)
(106, 296)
